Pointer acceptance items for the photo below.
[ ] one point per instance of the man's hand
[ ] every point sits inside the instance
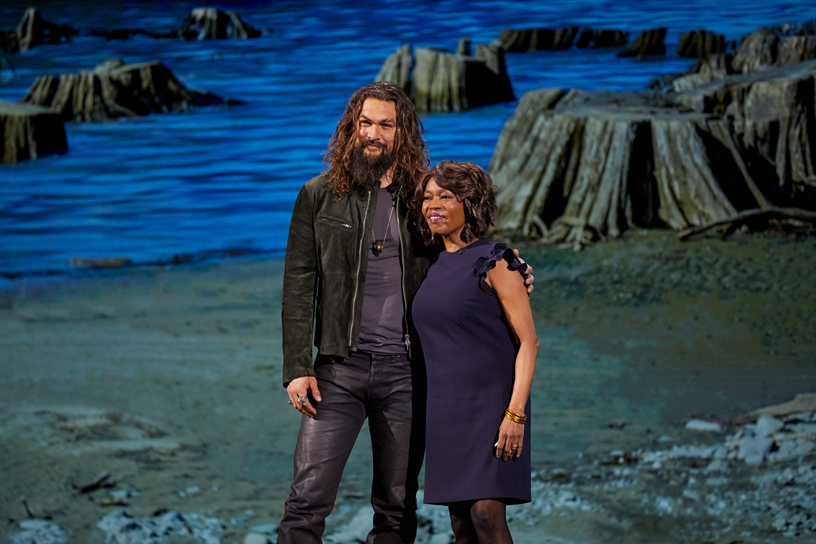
(528, 278)
(298, 389)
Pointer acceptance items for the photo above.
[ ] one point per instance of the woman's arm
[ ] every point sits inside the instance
(512, 294)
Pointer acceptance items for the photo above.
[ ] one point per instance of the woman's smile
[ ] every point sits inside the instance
(443, 211)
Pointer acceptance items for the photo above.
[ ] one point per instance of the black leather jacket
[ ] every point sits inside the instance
(325, 273)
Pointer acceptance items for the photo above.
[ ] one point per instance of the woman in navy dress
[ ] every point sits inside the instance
(476, 328)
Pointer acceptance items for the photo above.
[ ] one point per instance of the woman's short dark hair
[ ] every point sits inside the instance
(472, 186)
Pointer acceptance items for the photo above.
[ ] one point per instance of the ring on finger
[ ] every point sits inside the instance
(303, 399)
(514, 447)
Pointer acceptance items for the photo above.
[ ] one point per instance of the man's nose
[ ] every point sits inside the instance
(373, 133)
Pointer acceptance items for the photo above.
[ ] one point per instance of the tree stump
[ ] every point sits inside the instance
(648, 42)
(214, 24)
(575, 166)
(772, 111)
(34, 30)
(773, 46)
(397, 68)
(114, 89)
(593, 38)
(536, 39)
(439, 82)
(30, 132)
(700, 44)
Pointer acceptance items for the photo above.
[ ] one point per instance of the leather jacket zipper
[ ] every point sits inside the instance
(407, 338)
(359, 265)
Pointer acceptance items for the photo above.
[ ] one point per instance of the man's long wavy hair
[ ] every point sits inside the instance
(410, 156)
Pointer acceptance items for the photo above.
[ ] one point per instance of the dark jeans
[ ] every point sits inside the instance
(363, 385)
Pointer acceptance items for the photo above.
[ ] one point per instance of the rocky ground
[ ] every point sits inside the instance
(145, 406)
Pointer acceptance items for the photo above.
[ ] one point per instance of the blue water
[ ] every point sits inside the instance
(222, 181)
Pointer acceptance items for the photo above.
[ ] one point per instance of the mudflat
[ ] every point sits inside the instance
(145, 391)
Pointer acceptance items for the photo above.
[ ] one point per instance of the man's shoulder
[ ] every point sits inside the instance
(318, 184)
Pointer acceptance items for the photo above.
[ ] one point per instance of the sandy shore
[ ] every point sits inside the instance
(169, 380)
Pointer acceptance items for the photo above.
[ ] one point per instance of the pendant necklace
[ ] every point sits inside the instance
(378, 245)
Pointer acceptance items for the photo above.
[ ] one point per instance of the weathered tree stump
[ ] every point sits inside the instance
(648, 42)
(704, 71)
(438, 81)
(30, 132)
(741, 150)
(114, 89)
(536, 39)
(214, 24)
(772, 110)
(602, 38)
(575, 166)
(774, 46)
(465, 47)
(34, 30)
(700, 44)
(397, 68)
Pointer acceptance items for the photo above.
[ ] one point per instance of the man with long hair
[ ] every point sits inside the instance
(354, 261)
(353, 265)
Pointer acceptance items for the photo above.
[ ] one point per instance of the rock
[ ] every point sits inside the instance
(648, 42)
(754, 450)
(357, 529)
(30, 132)
(700, 44)
(34, 30)
(266, 529)
(214, 24)
(536, 39)
(602, 38)
(114, 89)
(120, 528)
(442, 82)
(256, 538)
(700, 425)
(790, 449)
(716, 465)
(40, 532)
(767, 426)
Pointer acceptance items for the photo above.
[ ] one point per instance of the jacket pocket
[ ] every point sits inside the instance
(334, 221)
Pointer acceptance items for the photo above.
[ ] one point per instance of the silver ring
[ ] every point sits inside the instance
(513, 446)
(303, 400)
(289, 401)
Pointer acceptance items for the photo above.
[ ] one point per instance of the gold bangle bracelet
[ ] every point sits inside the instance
(512, 416)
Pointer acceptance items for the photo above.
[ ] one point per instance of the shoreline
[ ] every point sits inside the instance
(169, 379)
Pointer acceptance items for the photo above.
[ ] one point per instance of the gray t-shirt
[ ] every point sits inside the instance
(381, 328)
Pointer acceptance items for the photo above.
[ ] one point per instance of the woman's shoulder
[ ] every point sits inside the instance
(490, 253)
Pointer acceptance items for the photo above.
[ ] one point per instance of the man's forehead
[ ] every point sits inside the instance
(374, 107)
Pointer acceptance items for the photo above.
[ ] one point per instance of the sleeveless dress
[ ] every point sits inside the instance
(470, 358)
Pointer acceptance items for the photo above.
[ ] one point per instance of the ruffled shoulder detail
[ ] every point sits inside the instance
(499, 252)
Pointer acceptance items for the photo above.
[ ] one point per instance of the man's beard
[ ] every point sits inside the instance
(368, 170)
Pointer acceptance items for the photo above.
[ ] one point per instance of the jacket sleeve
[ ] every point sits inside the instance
(299, 290)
